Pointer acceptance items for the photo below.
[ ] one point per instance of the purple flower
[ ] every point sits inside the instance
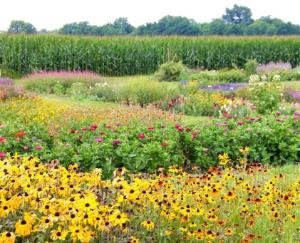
(6, 81)
(224, 87)
(99, 140)
(274, 66)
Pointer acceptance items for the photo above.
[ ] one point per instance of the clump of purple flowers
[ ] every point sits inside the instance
(5, 82)
(274, 67)
(224, 87)
(292, 95)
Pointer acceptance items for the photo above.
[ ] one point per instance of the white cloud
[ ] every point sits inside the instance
(53, 14)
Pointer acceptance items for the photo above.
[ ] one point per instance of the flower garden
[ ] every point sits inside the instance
(182, 155)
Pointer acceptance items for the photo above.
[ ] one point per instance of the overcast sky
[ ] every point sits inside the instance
(52, 14)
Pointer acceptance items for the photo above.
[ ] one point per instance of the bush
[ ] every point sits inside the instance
(221, 76)
(143, 92)
(272, 140)
(170, 71)
(251, 67)
(292, 75)
(265, 95)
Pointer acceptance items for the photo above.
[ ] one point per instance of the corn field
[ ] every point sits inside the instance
(139, 55)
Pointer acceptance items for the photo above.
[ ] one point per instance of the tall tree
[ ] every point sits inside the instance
(19, 26)
(122, 26)
(238, 15)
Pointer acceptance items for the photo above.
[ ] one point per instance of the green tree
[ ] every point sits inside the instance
(122, 26)
(238, 15)
(76, 28)
(19, 26)
(260, 27)
(172, 25)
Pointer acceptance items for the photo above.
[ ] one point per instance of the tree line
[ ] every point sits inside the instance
(235, 21)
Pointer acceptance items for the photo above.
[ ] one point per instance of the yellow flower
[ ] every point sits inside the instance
(23, 228)
(228, 232)
(148, 225)
(59, 234)
(223, 159)
(7, 237)
(118, 218)
(245, 150)
(133, 239)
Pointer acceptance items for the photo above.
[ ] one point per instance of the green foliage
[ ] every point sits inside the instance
(120, 26)
(19, 26)
(139, 55)
(238, 15)
(251, 66)
(272, 140)
(220, 76)
(265, 95)
(143, 92)
(62, 83)
(170, 25)
(170, 71)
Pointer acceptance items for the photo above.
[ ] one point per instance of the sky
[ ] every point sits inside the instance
(53, 14)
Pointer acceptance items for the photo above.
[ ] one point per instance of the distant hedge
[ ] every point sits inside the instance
(139, 55)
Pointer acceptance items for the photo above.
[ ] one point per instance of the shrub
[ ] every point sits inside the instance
(144, 92)
(265, 95)
(170, 71)
(104, 92)
(203, 104)
(272, 140)
(251, 67)
(221, 76)
(292, 75)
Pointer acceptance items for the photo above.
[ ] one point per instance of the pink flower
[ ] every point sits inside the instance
(38, 147)
(2, 155)
(141, 136)
(2, 139)
(116, 142)
(99, 140)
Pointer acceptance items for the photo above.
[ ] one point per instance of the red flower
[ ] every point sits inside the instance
(179, 128)
(141, 136)
(20, 134)
(2, 139)
(116, 142)
(2, 155)
(93, 127)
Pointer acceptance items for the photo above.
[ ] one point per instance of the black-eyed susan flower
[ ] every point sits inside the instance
(148, 225)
